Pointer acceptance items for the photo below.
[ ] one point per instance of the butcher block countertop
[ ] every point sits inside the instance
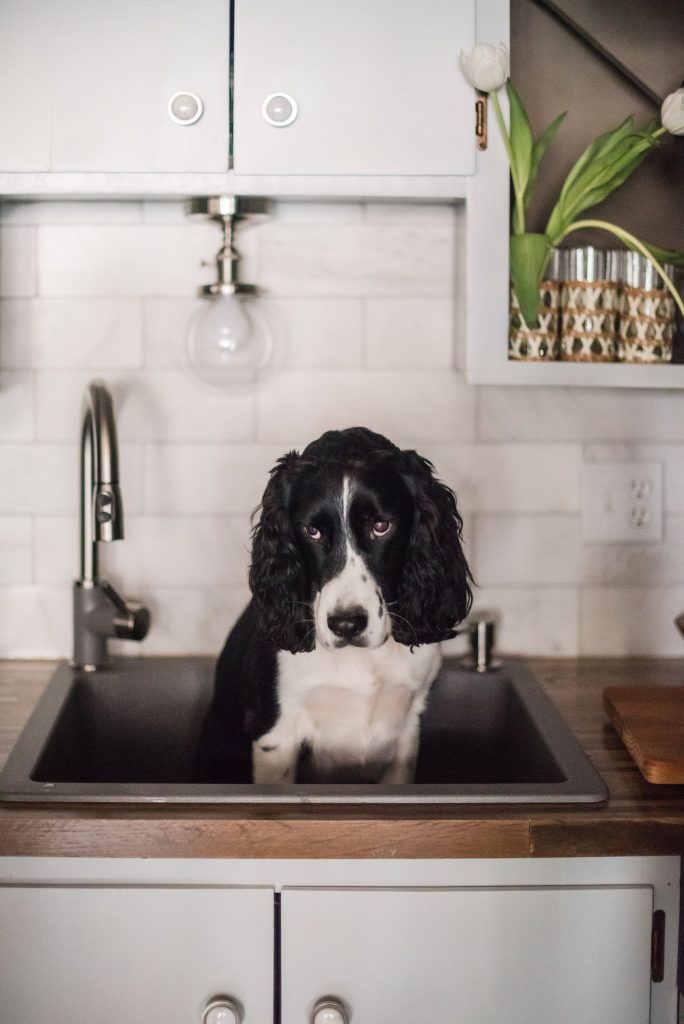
(638, 819)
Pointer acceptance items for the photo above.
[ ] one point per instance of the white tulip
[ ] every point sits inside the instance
(672, 112)
(486, 66)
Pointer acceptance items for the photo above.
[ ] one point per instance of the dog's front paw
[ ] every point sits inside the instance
(274, 761)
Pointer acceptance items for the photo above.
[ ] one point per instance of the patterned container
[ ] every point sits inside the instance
(647, 312)
(589, 300)
(538, 343)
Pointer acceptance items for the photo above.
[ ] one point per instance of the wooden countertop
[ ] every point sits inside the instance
(638, 819)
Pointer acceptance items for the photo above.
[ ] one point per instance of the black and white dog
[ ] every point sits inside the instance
(357, 573)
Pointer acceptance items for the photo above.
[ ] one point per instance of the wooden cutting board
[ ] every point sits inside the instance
(650, 722)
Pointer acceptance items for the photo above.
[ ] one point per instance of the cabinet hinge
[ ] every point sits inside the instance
(658, 946)
(481, 107)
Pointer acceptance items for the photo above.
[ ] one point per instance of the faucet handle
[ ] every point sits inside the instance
(132, 620)
(135, 624)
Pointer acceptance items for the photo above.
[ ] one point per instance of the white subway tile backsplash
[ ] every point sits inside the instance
(70, 333)
(18, 261)
(415, 333)
(35, 622)
(70, 211)
(423, 213)
(311, 211)
(637, 564)
(539, 621)
(191, 479)
(39, 478)
(411, 407)
(575, 414)
(164, 211)
(633, 620)
(187, 620)
(117, 260)
(321, 334)
(17, 406)
(367, 299)
(150, 406)
(519, 550)
(318, 334)
(510, 477)
(194, 551)
(56, 550)
(165, 328)
(363, 259)
(16, 556)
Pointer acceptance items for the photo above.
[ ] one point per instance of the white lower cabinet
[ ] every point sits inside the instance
(133, 955)
(477, 956)
(393, 941)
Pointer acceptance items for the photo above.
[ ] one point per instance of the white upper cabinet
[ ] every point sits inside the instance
(86, 85)
(305, 97)
(26, 108)
(356, 88)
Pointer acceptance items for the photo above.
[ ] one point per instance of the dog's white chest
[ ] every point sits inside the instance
(354, 709)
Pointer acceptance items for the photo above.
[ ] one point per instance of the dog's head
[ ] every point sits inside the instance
(355, 541)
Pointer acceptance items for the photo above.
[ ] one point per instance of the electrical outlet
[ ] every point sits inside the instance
(622, 502)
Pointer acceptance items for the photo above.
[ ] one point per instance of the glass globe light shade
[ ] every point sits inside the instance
(229, 342)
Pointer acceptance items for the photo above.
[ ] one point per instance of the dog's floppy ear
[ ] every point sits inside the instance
(434, 594)
(276, 575)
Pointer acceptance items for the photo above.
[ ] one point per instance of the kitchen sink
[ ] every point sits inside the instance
(129, 734)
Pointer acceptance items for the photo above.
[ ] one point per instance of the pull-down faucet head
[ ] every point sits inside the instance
(101, 504)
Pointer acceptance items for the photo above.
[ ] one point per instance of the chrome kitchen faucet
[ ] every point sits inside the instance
(99, 612)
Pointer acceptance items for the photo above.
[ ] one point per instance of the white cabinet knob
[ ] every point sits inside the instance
(223, 1010)
(329, 1011)
(185, 108)
(279, 109)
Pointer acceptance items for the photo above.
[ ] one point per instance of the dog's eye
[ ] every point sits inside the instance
(381, 527)
(313, 533)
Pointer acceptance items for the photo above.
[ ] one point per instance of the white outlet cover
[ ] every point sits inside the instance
(622, 502)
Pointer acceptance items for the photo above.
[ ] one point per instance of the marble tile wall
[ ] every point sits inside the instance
(370, 297)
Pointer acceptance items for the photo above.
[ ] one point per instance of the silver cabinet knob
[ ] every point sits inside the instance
(185, 108)
(329, 1011)
(222, 1010)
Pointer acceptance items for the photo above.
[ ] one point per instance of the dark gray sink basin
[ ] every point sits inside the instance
(129, 735)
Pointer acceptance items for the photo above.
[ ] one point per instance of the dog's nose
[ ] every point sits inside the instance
(348, 622)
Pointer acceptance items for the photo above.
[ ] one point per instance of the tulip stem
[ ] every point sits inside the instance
(632, 243)
(519, 210)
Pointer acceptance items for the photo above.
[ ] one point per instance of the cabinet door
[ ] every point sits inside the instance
(129, 955)
(557, 956)
(26, 107)
(377, 86)
(89, 84)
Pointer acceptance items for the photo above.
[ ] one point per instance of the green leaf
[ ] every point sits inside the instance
(602, 168)
(520, 133)
(666, 255)
(590, 163)
(600, 147)
(538, 151)
(528, 258)
(606, 180)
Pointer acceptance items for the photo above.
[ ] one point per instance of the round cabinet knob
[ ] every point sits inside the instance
(222, 1011)
(329, 1011)
(279, 109)
(185, 108)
